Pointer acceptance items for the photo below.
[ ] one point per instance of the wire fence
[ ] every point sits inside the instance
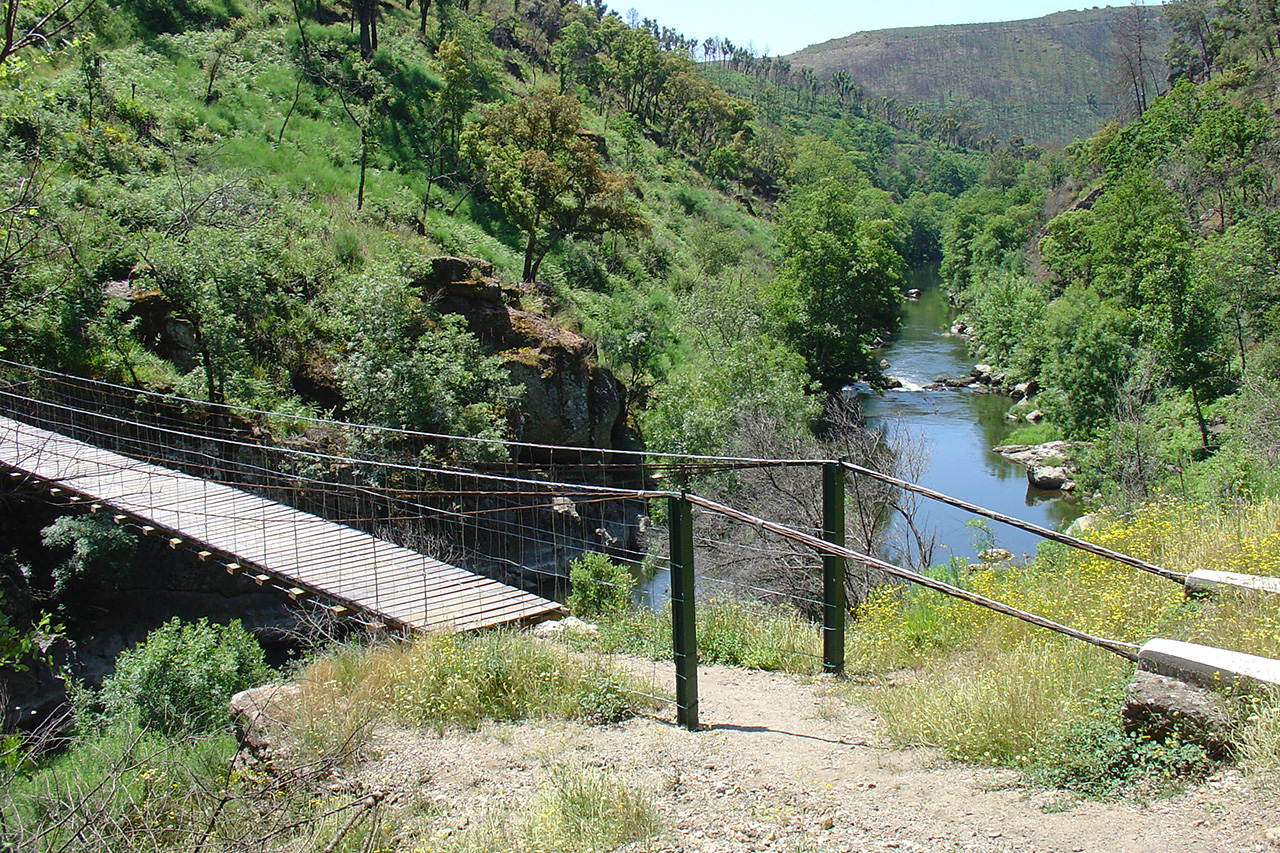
(526, 514)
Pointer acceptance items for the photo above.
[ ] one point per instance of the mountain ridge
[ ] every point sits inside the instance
(1046, 79)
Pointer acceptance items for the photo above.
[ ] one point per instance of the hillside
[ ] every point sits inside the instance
(1047, 79)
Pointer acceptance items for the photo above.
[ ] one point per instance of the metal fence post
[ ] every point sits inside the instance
(684, 634)
(833, 596)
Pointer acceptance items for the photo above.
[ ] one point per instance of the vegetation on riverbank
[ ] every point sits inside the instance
(1133, 276)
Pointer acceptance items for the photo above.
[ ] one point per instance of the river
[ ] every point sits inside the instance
(957, 428)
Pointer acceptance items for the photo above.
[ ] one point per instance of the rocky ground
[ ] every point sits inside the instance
(783, 765)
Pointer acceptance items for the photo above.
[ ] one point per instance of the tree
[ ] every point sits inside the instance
(839, 280)
(30, 24)
(1134, 56)
(545, 172)
(1193, 51)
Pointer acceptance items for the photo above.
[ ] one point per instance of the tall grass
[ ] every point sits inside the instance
(730, 633)
(995, 690)
(578, 810)
(458, 682)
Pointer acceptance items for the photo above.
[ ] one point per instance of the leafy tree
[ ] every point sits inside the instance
(30, 24)
(1091, 357)
(406, 368)
(100, 550)
(839, 281)
(1193, 51)
(547, 175)
(598, 586)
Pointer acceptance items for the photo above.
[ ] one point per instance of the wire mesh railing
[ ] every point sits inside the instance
(524, 513)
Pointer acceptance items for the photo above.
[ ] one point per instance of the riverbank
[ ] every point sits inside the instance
(955, 429)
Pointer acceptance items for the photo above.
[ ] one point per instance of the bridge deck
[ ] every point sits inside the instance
(293, 548)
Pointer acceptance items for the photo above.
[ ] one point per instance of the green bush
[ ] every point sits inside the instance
(598, 586)
(100, 550)
(181, 677)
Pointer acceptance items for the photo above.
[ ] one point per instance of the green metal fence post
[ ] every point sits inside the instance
(833, 597)
(684, 629)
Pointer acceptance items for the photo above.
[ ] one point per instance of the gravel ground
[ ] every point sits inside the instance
(782, 766)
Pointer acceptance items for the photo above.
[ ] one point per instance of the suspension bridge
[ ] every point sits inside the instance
(348, 514)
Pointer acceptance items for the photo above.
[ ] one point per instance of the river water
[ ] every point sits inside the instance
(957, 428)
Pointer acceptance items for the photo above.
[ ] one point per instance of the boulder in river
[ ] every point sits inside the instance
(1049, 477)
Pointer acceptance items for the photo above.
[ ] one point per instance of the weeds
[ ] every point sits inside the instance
(730, 633)
(578, 810)
(459, 681)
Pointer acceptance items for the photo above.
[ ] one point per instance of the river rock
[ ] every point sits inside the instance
(1028, 454)
(1082, 524)
(1160, 707)
(982, 373)
(913, 294)
(554, 629)
(1035, 416)
(1049, 477)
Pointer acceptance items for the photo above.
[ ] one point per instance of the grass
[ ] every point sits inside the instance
(730, 633)
(458, 681)
(577, 810)
(993, 690)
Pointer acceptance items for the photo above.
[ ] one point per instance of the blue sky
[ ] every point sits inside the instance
(785, 27)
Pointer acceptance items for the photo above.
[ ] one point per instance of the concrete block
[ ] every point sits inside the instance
(1206, 582)
(1207, 666)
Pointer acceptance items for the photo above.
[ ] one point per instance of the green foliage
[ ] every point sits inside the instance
(547, 176)
(460, 681)
(1091, 358)
(730, 633)
(1096, 758)
(701, 409)
(598, 587)
(1008, 312)
(100, 551)
(181, 677)
(839, 280)
(170, 16)
(409, 370)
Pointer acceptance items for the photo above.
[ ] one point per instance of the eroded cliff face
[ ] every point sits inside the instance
(569, 399)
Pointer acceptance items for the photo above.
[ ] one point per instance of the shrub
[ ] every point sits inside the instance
(181, 677)
(598, 586)
(100, 551)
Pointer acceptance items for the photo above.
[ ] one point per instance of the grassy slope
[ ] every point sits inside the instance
(1044, 79)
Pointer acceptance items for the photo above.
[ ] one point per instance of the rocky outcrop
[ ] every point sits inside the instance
(1050, 478)
(158, 328)
(1048, 465)
(568, 399)
(1161, 708)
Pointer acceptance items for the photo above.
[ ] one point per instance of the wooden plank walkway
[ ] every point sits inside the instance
(295, 549)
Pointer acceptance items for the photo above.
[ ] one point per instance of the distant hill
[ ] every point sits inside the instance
(1046, 79)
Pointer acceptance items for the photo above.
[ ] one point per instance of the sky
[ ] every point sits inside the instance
(785, 26)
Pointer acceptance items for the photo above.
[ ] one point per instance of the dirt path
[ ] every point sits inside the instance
(781, 766)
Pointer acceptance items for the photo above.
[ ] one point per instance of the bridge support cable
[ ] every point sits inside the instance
(1030, 527)
(1128, 651)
